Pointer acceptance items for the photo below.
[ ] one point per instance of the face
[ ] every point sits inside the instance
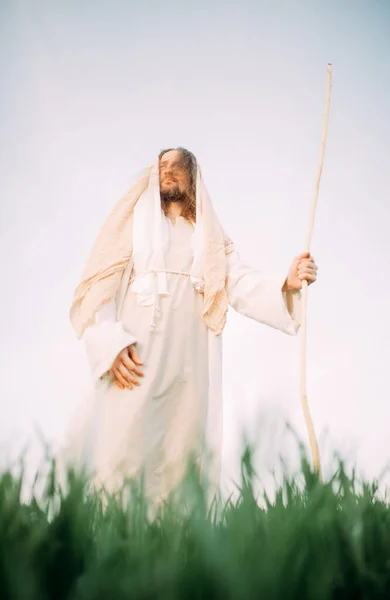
(174, 179)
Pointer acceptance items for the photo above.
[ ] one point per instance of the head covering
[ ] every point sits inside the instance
(136, 230)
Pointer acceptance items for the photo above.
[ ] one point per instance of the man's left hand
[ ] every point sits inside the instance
(303, 268)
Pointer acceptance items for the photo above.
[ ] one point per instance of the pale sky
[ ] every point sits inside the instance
(91, 92)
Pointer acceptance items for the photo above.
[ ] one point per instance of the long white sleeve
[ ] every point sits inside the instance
(260, 296)
(105, 339)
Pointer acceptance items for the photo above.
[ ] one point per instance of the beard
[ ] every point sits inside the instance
(173, 194)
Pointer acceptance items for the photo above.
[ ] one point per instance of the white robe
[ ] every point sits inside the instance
(178, 407)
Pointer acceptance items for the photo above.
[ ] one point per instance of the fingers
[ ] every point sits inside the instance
(307, 269)
(121, 379)
(308, 274)
(128, 375)
(307, 265)
(117, 383)
(125, 371)
(124, 378)
(134, 355)
(307, 262)
(131, 366)
(305, 257)
(302, 255)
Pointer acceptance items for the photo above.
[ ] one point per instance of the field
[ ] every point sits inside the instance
(312, 541)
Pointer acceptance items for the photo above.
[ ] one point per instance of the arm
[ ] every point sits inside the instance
(261, 297)
(105, 339)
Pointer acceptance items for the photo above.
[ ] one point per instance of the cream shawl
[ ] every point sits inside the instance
(113, 250)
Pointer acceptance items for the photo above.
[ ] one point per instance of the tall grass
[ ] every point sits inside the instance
(312, 541)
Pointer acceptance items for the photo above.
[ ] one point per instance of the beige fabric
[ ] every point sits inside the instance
(113, 249)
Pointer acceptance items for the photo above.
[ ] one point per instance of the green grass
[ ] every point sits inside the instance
(312, 541)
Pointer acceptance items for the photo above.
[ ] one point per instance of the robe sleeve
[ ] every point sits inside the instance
(260, 297)
(105, 339)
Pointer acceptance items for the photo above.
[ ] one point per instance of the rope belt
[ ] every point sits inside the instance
(156, 311)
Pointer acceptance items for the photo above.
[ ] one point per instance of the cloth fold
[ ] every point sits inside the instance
(150, 243)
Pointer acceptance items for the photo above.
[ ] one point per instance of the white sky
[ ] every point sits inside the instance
(92, 91)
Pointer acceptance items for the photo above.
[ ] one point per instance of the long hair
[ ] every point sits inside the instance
(190, 164)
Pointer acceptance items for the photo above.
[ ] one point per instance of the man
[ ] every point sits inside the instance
(151, 307)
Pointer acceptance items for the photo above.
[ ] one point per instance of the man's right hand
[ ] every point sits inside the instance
(126, 368)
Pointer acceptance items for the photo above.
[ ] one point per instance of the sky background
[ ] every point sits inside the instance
(92, 91)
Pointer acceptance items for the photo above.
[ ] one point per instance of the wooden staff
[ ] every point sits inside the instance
(305, 405)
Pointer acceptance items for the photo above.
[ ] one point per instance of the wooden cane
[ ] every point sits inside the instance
(305, 405)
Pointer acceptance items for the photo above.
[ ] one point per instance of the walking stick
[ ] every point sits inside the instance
(305, 405)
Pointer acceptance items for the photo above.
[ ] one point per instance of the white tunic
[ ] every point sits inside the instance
(153, 427)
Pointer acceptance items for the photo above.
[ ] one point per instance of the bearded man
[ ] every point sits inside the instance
(151, 308)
